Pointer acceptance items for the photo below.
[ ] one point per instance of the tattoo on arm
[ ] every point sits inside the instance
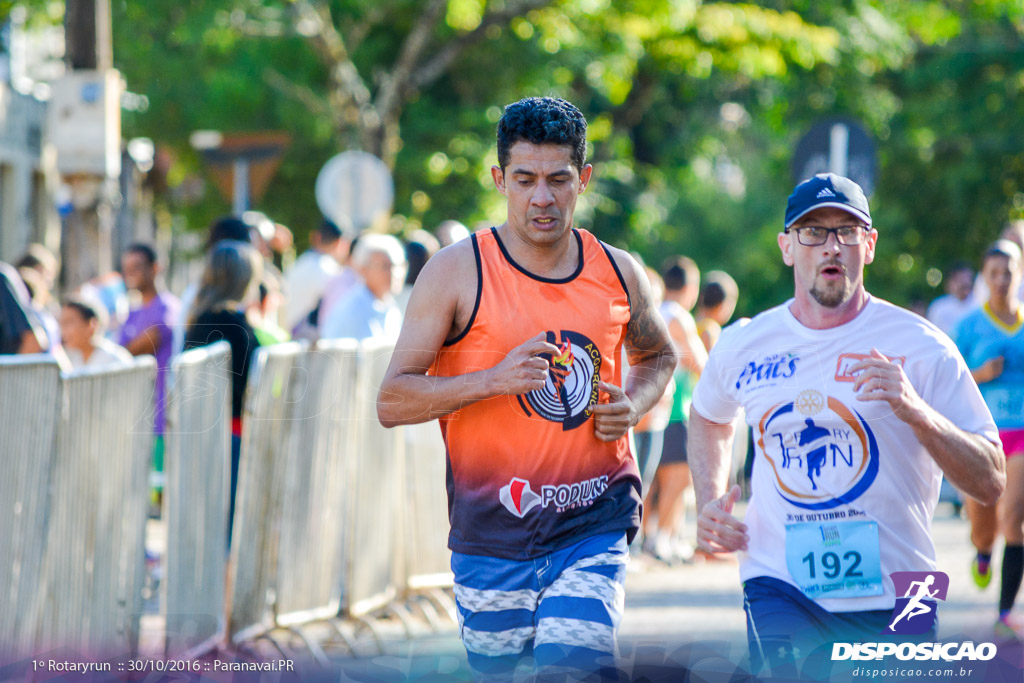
(646, 334)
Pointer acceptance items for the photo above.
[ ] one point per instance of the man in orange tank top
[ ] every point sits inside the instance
(513, 339)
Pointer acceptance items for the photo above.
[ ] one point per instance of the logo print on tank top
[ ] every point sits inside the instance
(571, 387)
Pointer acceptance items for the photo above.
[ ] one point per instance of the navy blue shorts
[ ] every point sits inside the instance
(674, 448)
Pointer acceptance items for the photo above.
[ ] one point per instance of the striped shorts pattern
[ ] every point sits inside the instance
(562, 609)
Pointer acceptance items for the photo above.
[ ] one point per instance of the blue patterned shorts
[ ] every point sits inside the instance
(561, 609)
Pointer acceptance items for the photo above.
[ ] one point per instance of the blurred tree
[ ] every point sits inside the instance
(953, 163)
(366, 101)
(694, 109)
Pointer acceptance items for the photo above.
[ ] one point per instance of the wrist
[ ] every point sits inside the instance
(917, 416)
(634, 415)
(487, 386)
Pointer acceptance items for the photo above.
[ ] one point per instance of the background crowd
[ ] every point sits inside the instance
(253, 291)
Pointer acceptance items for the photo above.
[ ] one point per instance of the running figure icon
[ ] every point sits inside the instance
(915, 607)
(815, 457)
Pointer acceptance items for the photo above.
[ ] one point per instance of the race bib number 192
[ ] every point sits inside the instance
(835, 559)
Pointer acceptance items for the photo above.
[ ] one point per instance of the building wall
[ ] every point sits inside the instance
(28, 177)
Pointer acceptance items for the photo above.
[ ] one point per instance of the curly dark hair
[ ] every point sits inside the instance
(543, 120)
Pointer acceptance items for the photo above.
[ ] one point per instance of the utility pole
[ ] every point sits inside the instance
(87, 37)
(85, 127)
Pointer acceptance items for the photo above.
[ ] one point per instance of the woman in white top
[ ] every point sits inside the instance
(81, 329)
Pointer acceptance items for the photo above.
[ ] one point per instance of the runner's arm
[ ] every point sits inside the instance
(971, 462)
(408, 395)
(147, 342)
(709, 446)
(652, 357)
(989, 370)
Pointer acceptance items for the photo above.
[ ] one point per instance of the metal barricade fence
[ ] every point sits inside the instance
(426, 540)
(318, 488)
(375, 562)
(94, 563)
(29, 411)
(327, 511)
(266, 433)
(198, 461)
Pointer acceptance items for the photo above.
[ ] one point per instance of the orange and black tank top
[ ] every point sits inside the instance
(526, 474)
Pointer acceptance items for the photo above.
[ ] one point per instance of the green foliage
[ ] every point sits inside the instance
(694, 110)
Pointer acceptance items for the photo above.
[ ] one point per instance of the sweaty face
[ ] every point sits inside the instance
(541, 184)
(830, 272)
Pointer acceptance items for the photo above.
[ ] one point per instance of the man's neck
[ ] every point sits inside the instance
(148, 294)
(813, 315)
(676, 296)
(1004, 309)
(86, 351)
(554, 261)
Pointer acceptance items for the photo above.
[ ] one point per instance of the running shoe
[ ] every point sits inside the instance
(981, 572)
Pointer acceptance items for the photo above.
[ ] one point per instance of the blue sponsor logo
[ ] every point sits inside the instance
(776, 366)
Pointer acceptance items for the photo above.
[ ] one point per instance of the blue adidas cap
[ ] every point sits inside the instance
(827, 189)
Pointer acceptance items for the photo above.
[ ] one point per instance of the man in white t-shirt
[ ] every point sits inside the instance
(858, 408)
(307, 279)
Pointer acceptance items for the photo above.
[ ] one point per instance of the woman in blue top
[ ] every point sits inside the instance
(991, 340)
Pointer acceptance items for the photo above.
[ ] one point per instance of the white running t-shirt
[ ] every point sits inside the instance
(843, 492)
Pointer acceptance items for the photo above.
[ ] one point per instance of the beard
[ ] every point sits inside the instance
(832, 295)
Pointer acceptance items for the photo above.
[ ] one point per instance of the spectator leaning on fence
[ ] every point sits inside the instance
(512, 337)
(149, 331)
(229, 285)
(82, 323)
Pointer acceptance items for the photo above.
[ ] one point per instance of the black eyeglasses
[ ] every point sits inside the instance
(816, 235)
